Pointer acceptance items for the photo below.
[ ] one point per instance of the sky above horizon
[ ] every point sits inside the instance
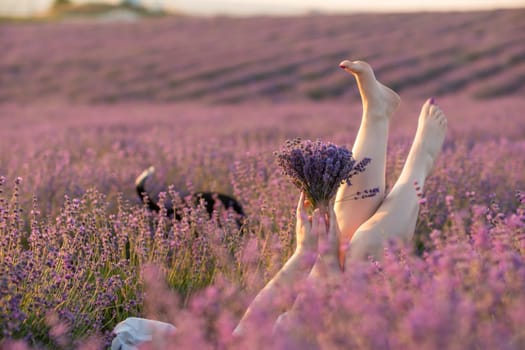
(277, 7)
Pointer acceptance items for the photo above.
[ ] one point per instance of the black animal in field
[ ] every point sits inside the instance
(209, 199)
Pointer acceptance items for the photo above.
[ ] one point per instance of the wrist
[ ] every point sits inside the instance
(307, 256)
(305, 250)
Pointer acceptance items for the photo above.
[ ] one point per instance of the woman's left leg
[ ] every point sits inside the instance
(397, 215)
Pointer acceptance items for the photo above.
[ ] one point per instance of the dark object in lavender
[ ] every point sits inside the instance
(209, 199)
(318, 168)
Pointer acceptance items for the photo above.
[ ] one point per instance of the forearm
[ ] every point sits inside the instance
(280, 292)
(323, 277)
(325, 274)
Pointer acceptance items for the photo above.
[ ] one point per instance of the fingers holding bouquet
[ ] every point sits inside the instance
(324, 226)
(306, 240)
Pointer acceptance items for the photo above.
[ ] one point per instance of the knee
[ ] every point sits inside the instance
(364, 244)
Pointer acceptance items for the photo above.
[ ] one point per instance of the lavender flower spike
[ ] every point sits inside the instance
(318, 168)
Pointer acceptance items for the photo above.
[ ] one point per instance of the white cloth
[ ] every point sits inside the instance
(133, 331)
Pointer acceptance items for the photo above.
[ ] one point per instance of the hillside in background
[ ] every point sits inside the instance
(229, 60)
(126, 10)
(46, 10)
(99, 12)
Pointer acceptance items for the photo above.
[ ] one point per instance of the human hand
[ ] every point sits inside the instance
(327, 263)
(306, 239)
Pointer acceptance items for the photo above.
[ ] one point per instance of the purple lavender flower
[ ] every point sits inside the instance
(318, 168)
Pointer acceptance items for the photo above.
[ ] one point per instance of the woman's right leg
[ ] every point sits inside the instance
(379, 103)
(397, 215)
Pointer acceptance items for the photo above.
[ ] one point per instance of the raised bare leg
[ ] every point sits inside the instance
(397, 215)
(379, 103)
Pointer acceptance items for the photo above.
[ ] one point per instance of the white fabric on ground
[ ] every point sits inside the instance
(133, 331)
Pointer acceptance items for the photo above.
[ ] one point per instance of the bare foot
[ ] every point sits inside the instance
(430, 134)
(378, 100)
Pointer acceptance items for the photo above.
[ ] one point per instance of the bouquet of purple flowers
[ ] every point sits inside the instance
(318, 168)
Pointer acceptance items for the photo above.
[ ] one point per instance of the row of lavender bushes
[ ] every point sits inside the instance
(79, 253)
(270, 58)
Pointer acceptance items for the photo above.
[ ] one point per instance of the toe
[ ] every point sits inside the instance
(356, 67)
(345, 64)
(427, 107)
(433, 110)
(444, 120)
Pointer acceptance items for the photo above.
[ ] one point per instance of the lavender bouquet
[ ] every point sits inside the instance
(318, 168)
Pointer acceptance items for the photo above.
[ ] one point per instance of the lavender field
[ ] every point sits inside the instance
(85, 107)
